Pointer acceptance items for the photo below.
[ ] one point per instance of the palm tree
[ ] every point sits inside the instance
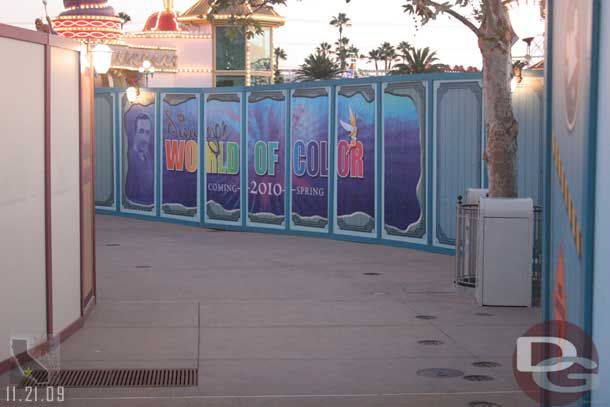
(420, 60)
(318, 67)
(125, 17)
(342, 52)
(375, 56)
(340, 21)
(388, 55)
(324, 49)
(404, 48)
(280, 54)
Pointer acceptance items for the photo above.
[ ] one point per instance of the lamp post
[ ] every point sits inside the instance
(102, 58)
(526, 17)
(147, 70)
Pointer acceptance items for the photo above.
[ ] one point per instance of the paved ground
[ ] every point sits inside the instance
(287, 321)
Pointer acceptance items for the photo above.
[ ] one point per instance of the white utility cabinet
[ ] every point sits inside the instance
(504, 260)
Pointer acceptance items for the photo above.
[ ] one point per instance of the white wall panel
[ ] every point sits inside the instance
(22, 259)
(65, 76)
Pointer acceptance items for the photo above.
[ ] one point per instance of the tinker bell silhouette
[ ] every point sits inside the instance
(352, 128)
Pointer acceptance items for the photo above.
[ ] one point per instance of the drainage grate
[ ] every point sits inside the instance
(425, 317)
(486, 364)
(430, 342)
(372, 274)
(483, 404)
(478, 378)
(112, 245)
(440, 373)
(143, 267)
(114, 378)
(484, 314)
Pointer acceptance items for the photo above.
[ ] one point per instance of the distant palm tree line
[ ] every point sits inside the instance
(330, 61)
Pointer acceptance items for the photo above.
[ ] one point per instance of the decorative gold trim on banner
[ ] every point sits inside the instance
(567, 198)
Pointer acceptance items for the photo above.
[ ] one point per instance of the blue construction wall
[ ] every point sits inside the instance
(601, 282)
(528, 104)
(457, 150)
(372, 160)
(105, 150)
(575, 278)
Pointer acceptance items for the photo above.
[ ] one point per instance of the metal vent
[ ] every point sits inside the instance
(425, 317)
(486, 364)
(441, 373)
(113, 378)
(478, 378)
(430, 342)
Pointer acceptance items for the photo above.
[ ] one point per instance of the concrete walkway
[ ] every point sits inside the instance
(287, 321)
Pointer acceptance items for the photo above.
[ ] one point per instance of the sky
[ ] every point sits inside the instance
(373, 22)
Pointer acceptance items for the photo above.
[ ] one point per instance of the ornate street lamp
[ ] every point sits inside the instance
(148, 70)
(102, 58)
(526, 17)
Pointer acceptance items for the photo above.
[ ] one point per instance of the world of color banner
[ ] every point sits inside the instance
(310, 158)
(355, 160)
(138, 153)
(222, 158)
(404, 164)
(180, 155)
(266, 158)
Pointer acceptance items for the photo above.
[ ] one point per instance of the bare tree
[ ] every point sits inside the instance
(491, 25)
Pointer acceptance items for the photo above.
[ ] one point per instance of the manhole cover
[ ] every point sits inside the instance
(143, 267)
(440, 373)
(478, 378)
(430, 342)
(486, 364)
(484, 314)
(483, 404)
(112, 245)
(113, 378)
(372, 274)
(425, 317)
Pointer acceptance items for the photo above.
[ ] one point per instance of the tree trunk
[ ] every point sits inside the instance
(495, 41)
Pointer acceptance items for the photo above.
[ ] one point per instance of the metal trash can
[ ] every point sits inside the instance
(466, 247)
